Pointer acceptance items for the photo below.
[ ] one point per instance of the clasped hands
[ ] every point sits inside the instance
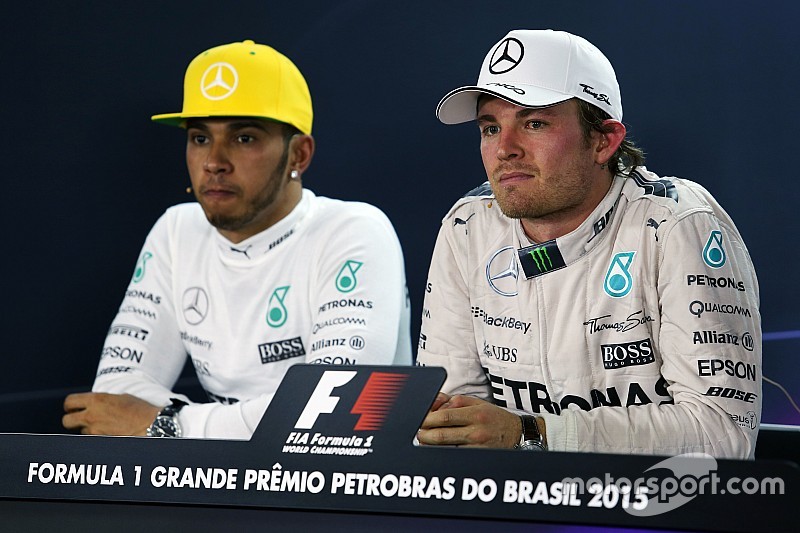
(470, 422)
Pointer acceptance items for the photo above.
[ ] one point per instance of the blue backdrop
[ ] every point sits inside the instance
(708, 90)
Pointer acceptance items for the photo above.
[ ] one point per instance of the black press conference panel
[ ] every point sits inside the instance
(335, 452)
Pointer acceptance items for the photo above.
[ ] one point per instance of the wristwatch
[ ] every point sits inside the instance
(531, 439)
(166, 423)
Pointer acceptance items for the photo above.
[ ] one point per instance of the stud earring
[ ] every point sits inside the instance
(295, 175)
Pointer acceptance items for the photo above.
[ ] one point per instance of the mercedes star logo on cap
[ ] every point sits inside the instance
(219, 81)
(506, 56)
(195, 305)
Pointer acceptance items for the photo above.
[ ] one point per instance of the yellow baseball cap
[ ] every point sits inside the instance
(244, 80)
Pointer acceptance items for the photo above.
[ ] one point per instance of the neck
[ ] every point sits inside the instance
(560, 223)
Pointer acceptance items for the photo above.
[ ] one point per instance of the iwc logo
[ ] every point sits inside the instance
(219, 81)
(502, 271)
(195, 305)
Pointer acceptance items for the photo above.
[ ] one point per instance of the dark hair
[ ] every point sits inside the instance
(289, 131)
(628, 155)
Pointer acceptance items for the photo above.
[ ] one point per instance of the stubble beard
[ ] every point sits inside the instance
(257, 206)
(518, 203)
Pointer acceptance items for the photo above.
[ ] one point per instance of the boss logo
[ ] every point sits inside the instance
(627, 354)
(272, 352)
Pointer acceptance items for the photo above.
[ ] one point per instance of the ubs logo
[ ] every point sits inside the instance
(502, 272)
(195, 305)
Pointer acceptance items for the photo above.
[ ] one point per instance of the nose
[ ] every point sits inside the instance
(217, 160)
(508, 145)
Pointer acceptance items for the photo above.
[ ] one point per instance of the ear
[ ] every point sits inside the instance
(606, 143)
(301, 151)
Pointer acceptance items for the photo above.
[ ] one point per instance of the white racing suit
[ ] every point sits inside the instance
(326, 285)
(638, 332)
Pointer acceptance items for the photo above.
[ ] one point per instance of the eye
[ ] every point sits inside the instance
(489, 130)
(244, 138)
(534, 124)
(198, 138)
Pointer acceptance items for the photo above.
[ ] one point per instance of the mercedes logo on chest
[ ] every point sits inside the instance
(506, 56)
(195, 305)
(502, 271)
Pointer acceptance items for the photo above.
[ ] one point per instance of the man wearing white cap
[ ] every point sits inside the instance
(257, 275)
(578, 301)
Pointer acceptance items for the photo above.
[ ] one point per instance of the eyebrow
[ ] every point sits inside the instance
(522, 113)
(231, 126)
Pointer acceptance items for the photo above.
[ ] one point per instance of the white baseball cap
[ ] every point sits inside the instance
(538, 68)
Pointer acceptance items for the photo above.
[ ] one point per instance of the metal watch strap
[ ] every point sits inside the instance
(166, 422)
(531, 438)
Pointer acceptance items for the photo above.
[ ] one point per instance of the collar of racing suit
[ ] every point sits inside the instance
(538, 259)
(258, 246)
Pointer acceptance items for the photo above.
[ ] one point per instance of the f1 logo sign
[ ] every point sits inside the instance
(321, 400)
(373, 404)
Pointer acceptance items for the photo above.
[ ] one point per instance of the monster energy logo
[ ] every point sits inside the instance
(542, 259)
(276, 311)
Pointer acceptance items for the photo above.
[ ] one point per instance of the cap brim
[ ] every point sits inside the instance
(171, 119)
(461, 105)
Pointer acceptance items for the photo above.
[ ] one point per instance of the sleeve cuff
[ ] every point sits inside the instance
(562, 433)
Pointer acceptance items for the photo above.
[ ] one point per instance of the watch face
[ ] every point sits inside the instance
(532, 445)
(165, 426)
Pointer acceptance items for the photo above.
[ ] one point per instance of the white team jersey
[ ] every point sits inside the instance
(325, 285)
(638, 332)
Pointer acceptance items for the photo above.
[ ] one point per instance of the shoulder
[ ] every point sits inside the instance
(675, 197)
(189, 211)
(478, 202)
(182, 221)
(336, 220)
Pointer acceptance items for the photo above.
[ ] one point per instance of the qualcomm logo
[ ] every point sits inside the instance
(502, 271)
(219, 81)
(618, 280)
(714, 254)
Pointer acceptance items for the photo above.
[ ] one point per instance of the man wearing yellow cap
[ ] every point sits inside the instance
(258, 275)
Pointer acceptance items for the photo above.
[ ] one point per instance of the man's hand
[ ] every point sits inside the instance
(97, 413)
(470, 422)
